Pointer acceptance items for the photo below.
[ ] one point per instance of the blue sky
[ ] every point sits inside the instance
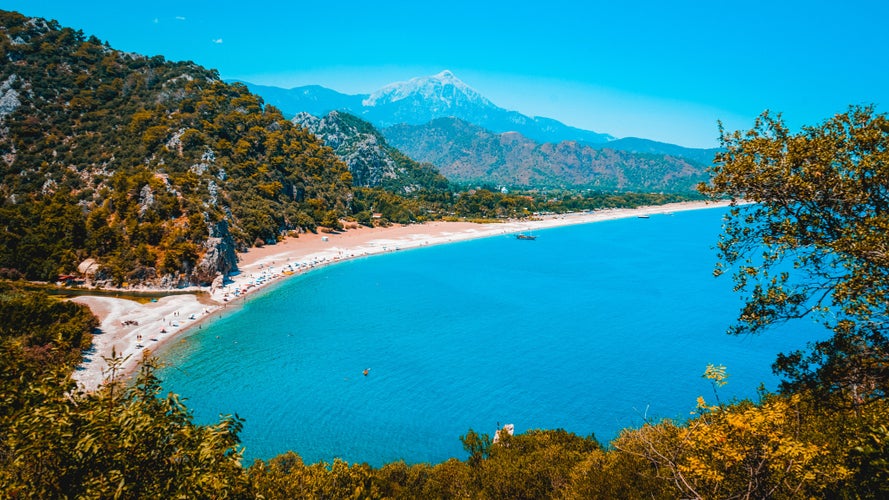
(656, 69)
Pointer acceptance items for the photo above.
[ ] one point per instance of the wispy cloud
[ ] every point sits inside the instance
(217, 40)
(180, 18)
(156, 20)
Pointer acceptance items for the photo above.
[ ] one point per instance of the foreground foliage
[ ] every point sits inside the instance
(814, 244)
(134, 442)
(120, 442)
(137, 444)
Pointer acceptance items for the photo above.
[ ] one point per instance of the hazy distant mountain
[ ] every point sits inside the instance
(637, 145)
(371, 160)
(420, 100)
(464, 152)
(312, 99)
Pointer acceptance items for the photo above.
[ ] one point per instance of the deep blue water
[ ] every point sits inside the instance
(589, 328)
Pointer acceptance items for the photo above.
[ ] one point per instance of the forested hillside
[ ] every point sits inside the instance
(467, 153)
(146, 165)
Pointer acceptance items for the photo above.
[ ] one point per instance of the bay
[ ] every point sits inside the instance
(589, 328)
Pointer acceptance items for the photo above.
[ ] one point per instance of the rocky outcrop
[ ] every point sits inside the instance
(9, 97)
(220, 258)
(356, 142)
(371, 160)
(88, 267)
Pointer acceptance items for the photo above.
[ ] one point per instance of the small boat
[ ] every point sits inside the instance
(523, 236)
(644, 216)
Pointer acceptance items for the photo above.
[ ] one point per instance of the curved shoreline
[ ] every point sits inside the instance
(126, 325)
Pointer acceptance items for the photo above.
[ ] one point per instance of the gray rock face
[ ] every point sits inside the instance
(9, 98)
(146, 199)
(220, 258)
(356, 142)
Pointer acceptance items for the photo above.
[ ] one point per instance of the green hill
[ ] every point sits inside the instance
(466, 153)
(148, 166)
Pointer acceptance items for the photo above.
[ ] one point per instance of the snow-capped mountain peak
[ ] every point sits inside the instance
(423, 99)
(442, 91)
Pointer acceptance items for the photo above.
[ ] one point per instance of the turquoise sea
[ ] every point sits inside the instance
(590, 328)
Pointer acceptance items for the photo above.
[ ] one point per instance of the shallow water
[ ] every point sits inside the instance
(589, 328)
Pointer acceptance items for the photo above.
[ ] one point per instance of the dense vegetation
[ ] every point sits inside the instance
(40, 337)
(814, 245)
(133, 160)
(116, 443)
(464, 152)
(490, 204)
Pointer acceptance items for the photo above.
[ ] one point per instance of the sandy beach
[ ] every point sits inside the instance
(131, 329)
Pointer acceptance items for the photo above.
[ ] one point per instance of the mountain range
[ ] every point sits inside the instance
(419, 101)
(422, 99)
(467, 153)
(427, 117)
(157, 171)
